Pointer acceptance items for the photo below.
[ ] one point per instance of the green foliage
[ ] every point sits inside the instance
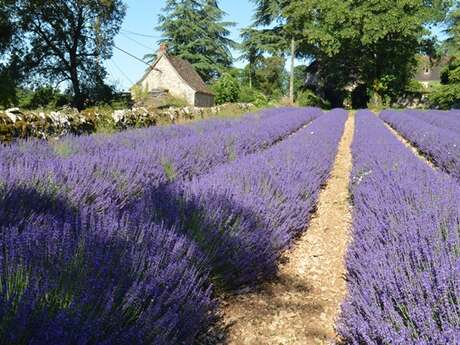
(454, 75)
(139, 94)
(415, 86)
(7, 28)
(195, 31)
(445, 96)
(271, 76)
(251, 95)
(43, 97)
(169, 171)
(226, 89)
(8, 95)
(452, 42)
(360, 97)
(170, 101)
(97, 92)
(451, 73)
(72, 47)
(13, 285)
(370, 42)
(308, 98)
(300, 75)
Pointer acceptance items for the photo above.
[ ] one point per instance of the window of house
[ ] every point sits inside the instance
(426, 70)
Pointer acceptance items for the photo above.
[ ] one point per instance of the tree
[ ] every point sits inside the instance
(194, 30)
(68, 40)
(270, 76)
(7, 28)
(10, 63)
(251, 51)
(226, 89)
(269, 12)
(447, 95)
(453, 31)
(371, 43)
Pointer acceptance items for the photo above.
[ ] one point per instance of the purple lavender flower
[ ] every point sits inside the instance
(403, 264)
(434, 133)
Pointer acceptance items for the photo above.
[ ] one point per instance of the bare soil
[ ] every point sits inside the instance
(301, 305)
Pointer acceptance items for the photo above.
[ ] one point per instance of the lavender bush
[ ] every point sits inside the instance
(98, 280)
(443, 119)
(440, 145)
(404, 263)
(86, 258)
(243, 213)
(115, 176)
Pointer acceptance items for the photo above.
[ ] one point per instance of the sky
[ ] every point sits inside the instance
(139, 37)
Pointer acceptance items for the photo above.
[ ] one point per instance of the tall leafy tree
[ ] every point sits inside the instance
(7, 28)
(9, 62)
(195, 31)
(371, 43)
(69, 39)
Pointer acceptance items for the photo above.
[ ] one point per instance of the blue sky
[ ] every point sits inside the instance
(141, 18)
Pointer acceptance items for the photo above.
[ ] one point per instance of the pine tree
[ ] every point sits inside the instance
(269, 12)
(453, 32)
(195, 31)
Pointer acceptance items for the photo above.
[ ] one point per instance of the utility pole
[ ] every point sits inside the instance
(291, 83)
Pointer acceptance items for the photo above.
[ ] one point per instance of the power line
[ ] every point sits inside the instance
(137, 42)
(138, 34)
(133, 56)
(112, 62)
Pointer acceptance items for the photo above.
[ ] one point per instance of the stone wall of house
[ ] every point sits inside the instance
(164, 76)
(204, 100)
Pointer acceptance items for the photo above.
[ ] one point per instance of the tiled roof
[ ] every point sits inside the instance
(188, 73)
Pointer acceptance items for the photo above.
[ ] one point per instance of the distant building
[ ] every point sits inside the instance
(429, 70)
(173, 75)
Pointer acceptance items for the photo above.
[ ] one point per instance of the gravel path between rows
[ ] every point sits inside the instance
(301, 305)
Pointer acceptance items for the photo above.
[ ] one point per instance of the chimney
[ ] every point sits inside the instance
(163, 49)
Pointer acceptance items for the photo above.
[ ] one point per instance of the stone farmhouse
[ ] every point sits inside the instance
(429, 71)
(176, 77)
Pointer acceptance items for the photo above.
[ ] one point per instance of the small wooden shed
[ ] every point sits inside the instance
(177, 77)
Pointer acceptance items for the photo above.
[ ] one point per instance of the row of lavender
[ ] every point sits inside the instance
(72, 274)
(115, 176)
(101, 144)
(404, 263)
(442, 119)
(242, 214)
(434, 133)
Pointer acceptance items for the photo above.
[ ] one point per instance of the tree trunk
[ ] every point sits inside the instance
(77, 96)
(291, 83)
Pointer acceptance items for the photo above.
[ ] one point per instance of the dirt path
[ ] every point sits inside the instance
(301, 305)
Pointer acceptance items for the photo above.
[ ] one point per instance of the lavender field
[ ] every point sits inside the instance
(136, 237)
(403, 265)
